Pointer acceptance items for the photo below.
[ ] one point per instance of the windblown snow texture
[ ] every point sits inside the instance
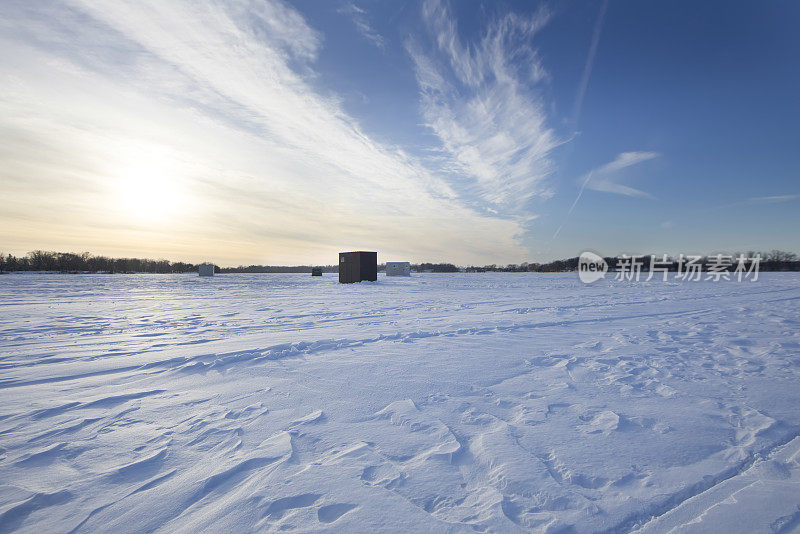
(437, 403)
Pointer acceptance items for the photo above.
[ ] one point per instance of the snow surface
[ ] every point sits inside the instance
(437, 403)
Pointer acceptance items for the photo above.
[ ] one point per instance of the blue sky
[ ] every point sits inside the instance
(474, 132)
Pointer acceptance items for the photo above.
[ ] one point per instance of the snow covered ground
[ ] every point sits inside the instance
(436, 403)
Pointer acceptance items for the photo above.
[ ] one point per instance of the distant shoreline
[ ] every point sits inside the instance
(86, 263)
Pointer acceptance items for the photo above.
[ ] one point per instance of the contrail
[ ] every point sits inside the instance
(574, 203)
(582, 86)
(587, 69)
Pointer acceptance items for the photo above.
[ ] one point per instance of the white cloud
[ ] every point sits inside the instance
(359, 18)
(215, 99)
(773, 199)
(604, 177)
(480, 100)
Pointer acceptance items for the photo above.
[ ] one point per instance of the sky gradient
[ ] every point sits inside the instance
(473, 132)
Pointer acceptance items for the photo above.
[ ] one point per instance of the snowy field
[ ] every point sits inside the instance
(436, 403)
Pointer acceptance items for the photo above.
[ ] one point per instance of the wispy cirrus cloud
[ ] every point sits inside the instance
(359, 18)
(605, 178)
(480, 100)
(759, 201)
(774, 199)
(207, 111)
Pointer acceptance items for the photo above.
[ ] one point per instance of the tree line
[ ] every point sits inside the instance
(775, 260)
(40, 260)
(278, 269)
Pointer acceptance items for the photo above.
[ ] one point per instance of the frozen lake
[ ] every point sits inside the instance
(437, 403)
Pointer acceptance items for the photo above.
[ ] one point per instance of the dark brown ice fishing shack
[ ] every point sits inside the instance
(357, 267)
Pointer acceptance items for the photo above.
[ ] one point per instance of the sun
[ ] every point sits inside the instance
(148, 192)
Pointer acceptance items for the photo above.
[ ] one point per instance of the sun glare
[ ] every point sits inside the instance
(149, 193)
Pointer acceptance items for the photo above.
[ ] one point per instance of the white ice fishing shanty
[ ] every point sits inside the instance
(398, 268)
(205, 269)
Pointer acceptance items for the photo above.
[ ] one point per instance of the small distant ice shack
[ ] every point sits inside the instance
(205, 269)
(398, 268)
(357, 267)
